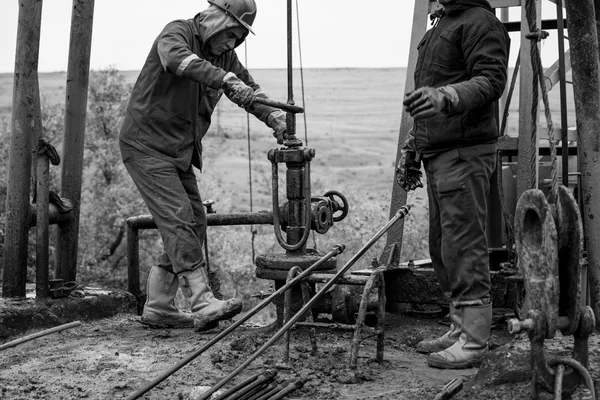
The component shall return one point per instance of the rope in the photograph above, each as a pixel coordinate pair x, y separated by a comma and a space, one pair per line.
535, 36
252, 230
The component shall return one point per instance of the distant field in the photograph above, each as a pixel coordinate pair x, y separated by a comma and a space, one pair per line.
352, 121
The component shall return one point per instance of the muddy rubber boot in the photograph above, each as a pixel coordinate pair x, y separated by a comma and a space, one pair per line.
447, 339
207, 310
472, 345
159, 309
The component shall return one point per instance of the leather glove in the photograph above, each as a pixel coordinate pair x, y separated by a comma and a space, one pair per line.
408, 170
277, 121
426, 102
237, 91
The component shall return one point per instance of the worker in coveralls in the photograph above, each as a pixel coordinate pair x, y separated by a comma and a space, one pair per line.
191, 64
460, 73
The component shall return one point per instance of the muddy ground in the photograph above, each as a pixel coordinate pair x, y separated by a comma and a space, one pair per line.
112, 358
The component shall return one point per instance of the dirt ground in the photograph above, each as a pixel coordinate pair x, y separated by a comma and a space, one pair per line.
112, 358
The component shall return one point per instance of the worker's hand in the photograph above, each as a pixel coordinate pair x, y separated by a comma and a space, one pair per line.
237, 91
425, 102
408, 170
277, 121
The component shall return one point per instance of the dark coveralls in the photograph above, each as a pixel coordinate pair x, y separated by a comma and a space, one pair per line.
168, 114
466, 50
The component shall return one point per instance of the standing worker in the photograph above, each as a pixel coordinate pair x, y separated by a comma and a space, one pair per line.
460, 73
191, 64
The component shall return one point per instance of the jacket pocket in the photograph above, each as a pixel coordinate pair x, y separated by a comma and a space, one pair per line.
447, 51
168, 132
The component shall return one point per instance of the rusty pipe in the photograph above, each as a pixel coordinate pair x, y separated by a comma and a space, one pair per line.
253, 218
278, 104
42, 290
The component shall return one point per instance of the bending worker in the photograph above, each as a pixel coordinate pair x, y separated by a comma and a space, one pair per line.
460, 73
191, 64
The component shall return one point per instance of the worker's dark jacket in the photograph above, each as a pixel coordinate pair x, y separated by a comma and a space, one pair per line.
178, 89
467, 49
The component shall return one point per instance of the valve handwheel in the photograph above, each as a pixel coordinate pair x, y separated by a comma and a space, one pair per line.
344, 209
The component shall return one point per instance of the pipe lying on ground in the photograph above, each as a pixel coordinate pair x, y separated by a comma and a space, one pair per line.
337, 249
39, 334
400, 214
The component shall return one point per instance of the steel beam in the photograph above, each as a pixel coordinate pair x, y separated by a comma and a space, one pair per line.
75, 113
393, 244
25, 126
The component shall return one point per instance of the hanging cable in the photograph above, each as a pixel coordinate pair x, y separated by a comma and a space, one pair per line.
301, 73
252, 230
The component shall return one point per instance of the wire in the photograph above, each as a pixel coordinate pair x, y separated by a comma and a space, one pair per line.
253, 232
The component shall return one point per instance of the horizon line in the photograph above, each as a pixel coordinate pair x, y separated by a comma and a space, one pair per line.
250, 69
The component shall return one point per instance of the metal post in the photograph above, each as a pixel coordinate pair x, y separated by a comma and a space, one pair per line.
586, 86
75, 112
26, 124
394, 236
42, 290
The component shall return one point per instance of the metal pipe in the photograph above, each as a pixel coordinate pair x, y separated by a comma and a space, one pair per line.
237, 387
54, 215
585, 57
42, 290
290, 117
401, 213
562, 70
133, 260
337, 249
26, 122
75, 112
277, 104
40, 334
288, 389
252, 218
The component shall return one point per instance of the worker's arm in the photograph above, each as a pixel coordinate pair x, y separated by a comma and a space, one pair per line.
177, 57
274, 118
486, 57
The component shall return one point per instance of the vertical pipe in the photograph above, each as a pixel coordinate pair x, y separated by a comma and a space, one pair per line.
133, 260
585, 61
25, 125
75, 112
562, 71
42, 290
419, 27
290, 117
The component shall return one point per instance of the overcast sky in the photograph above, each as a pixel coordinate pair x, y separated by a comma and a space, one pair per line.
334, 33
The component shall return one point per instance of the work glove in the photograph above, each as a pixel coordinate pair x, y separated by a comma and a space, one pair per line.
426, 102
237, 91
408, 170
277, 121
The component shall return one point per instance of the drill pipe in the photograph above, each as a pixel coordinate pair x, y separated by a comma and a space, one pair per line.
401, 213
273, 391
288, 389
337, 249
237, 387
263, 379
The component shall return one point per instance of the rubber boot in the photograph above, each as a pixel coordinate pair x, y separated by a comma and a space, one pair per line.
159, 309
472, 344
206, 309
447, 339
